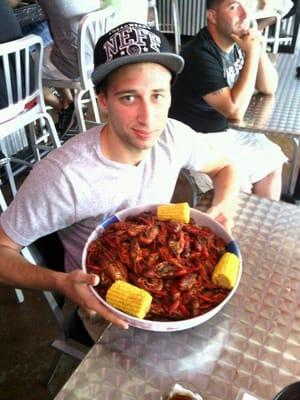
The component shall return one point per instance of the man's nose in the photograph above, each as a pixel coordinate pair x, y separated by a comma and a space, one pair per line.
145, 111
245, 11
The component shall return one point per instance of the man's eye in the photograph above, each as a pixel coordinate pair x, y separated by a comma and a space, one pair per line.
127, 99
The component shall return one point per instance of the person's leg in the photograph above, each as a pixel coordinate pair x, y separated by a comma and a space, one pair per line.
52, 100
270, 185
66, 97
260, 163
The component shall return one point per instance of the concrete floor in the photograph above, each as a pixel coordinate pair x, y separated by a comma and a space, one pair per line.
26, 332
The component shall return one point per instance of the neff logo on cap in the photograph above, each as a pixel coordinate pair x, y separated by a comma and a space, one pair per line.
131, 40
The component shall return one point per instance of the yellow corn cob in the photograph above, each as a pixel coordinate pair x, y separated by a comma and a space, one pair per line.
129, 298
179, 212
226, 271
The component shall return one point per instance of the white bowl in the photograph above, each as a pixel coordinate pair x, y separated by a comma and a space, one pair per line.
200, 218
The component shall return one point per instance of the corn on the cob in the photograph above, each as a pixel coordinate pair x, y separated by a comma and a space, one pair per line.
179, 212
129, 298
226, 271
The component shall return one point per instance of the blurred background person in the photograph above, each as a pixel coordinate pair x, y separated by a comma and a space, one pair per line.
60, 59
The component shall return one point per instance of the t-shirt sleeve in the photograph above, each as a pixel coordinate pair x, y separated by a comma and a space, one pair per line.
194, 150
43, 204
205, 71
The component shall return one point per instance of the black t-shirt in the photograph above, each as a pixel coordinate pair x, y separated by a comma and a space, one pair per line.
207, 69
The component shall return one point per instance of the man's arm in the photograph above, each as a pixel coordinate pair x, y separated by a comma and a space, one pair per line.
257, 72
15, 270
267, 78
224, 175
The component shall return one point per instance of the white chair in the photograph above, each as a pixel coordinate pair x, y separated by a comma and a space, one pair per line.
153, 14
20, 64
175, 26
273, 39
92, 26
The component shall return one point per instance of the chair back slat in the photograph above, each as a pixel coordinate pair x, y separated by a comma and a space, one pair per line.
8, 80
19, 76
21, 63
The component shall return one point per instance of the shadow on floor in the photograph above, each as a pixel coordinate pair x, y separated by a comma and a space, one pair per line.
26, 332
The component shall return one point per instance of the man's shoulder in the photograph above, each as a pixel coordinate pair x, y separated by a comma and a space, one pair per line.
202, 46
177, 130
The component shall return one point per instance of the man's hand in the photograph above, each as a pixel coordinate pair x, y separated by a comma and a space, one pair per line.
223, 213
249, 40
76, 286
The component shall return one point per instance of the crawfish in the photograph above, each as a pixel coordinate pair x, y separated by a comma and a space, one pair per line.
113, 267
166, 270
178, 310
149, 235
153, 285
158, 309
187, 281
177, 244
136, 254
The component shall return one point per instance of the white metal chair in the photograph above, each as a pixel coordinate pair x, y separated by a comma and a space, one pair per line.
20, 64
153, 14
273, 39
92, 26
175, 26
273, 35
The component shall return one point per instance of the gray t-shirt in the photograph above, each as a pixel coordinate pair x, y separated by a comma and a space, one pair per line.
64, 18
75, 187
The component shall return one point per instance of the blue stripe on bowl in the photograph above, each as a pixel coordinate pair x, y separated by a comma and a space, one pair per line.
109, 221
232, 247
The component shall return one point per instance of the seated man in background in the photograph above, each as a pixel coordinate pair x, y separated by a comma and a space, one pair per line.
133, 159
224, 64
60, 59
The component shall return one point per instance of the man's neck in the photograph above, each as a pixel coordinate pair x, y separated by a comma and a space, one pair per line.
113, 149
224, 43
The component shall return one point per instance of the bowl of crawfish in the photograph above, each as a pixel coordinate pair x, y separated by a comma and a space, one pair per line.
172, 261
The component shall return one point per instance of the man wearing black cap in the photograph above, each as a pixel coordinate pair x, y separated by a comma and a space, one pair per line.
134, 158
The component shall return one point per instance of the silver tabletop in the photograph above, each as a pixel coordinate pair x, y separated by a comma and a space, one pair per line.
253, 343
279, 114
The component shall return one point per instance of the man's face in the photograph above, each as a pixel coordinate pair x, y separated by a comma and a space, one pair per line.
232, 17
137, 101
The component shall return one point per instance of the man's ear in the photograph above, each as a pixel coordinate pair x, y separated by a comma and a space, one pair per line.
102, 101
211, 16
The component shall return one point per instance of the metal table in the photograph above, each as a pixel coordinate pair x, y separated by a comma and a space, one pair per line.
279, 114
253, 343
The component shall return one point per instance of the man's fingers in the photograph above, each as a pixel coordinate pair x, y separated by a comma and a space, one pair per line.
213, 212
107, 314
82, 277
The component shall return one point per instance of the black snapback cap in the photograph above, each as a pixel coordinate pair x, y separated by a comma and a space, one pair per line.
131, 43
